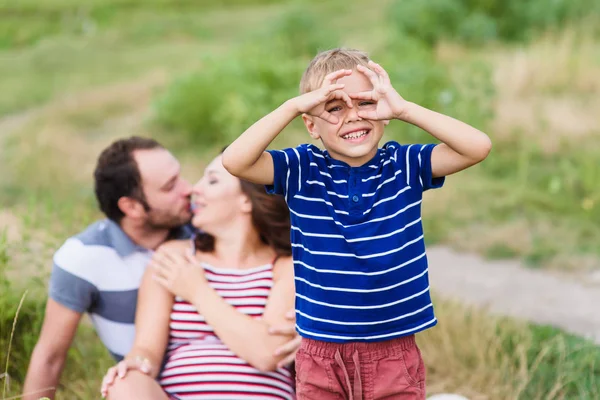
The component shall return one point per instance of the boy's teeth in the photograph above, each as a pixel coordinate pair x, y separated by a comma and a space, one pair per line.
355, 135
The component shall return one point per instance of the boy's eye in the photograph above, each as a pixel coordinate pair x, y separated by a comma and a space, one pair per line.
334, 109
212, 181
366, 103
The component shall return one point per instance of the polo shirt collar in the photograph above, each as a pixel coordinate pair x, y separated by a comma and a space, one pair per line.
119, 240
366, 167
124, 246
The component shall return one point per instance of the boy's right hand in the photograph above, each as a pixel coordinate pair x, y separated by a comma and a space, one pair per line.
313, 103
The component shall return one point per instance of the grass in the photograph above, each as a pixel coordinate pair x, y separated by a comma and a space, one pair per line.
195, 74
128, 38
482, 357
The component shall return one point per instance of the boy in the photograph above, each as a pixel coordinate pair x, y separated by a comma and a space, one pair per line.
362, 288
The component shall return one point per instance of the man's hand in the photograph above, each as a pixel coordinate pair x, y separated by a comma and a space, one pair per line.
313, 103
390, 105
291, 347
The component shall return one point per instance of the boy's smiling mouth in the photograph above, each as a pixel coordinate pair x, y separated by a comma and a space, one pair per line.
357, 135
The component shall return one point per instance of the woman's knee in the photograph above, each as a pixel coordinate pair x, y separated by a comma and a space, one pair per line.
135, 385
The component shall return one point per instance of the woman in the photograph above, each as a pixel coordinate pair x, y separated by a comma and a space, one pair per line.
211, 308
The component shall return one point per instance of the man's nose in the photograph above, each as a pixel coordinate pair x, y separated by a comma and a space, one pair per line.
187, 188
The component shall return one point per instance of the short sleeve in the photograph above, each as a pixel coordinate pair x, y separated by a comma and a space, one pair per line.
417, 160
288, 165
68, 289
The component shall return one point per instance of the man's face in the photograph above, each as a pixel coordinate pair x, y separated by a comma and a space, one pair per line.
167, 193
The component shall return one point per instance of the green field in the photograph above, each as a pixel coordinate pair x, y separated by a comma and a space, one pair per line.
195, 74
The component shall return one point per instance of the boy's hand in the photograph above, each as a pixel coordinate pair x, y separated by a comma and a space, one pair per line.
313, 103
390, 105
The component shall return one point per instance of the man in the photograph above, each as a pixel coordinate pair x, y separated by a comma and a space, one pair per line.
146, 202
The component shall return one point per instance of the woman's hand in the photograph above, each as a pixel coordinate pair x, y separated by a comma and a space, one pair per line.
179, 272
289, 348
141, 364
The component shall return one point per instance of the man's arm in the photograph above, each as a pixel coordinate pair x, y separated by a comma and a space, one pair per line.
50, 352
151, 323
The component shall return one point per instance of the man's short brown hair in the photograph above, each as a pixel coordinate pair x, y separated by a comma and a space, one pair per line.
117, 174
330, 61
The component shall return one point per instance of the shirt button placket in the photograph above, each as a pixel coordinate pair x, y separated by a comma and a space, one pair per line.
353, 192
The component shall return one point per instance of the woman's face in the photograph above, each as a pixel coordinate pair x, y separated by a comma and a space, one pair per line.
217, 198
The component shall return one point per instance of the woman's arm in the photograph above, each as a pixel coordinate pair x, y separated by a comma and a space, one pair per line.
151, 323
249, 337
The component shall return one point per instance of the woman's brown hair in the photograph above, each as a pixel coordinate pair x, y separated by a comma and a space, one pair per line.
270, 217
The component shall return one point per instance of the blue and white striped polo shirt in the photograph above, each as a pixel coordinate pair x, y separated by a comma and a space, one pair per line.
99, 272
357, 241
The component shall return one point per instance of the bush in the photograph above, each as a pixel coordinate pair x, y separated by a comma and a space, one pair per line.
479, 21
215, 105
429, 21
420, 78
299, 33
560, 184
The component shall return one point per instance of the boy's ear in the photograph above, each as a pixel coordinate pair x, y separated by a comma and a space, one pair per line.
309, 122
386, 122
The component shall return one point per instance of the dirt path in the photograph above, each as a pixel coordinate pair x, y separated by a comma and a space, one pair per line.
508, 288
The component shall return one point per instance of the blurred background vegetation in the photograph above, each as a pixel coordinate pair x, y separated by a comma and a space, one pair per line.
194, 74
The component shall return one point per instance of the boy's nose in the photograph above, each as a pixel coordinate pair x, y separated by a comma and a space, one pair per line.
352, 114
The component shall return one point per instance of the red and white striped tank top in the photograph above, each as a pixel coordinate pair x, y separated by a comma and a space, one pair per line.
200, 366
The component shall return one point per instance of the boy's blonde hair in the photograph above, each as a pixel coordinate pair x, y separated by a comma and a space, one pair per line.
327, 62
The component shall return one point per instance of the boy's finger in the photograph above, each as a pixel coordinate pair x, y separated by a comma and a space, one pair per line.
326, 116
334, 76
380, 71
372, 115
347, 99
369, 74
362, 95
341, 95
332, 88
291, 314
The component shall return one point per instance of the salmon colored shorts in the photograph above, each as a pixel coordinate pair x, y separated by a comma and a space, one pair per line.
391, 369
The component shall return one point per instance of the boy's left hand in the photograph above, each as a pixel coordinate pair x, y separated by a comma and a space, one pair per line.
390, 105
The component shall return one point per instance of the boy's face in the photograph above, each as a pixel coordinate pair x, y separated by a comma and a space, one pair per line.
352, 140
